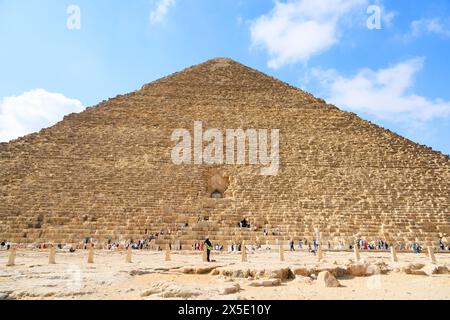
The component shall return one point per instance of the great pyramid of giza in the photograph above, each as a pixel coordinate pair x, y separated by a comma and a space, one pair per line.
107, 172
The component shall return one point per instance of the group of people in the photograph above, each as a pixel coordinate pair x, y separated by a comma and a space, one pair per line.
5, 245
416, 248
244, 224
275, 232
199, 246
303, 244
365, 245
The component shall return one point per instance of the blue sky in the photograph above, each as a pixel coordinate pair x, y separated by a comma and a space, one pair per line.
397, 76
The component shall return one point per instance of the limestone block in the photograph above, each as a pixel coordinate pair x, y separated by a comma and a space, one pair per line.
91, 255
281, 249
393, 255
357, 255
52, 255
12, 258
326, 279
128, 256
431, 255
167, 255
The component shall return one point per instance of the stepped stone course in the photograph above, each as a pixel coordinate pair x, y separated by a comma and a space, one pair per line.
107, 172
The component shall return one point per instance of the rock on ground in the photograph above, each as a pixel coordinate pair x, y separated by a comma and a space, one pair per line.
265, 283
325, 278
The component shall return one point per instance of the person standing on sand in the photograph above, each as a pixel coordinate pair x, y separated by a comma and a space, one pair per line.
208, 245
316, 246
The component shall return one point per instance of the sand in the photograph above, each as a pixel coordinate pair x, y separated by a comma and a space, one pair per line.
150, 277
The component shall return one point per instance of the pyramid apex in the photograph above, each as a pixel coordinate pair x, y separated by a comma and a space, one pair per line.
220, 60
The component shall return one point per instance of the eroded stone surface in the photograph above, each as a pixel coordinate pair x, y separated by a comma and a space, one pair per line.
326, 279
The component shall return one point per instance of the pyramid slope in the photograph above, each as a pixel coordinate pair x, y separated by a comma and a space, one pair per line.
107, 172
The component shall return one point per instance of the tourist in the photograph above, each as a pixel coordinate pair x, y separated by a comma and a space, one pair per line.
300, 244
291, 243
316, 246
244, 224
208, 245
416, 248
441, 245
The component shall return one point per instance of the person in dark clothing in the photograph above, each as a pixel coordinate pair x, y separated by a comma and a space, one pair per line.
208, 245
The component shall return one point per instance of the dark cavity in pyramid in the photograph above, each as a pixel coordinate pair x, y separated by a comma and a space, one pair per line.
107, 172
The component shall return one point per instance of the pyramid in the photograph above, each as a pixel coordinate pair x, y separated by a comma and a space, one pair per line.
107, 172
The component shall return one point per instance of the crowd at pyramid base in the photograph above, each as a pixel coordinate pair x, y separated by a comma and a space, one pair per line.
316, 249
313, 245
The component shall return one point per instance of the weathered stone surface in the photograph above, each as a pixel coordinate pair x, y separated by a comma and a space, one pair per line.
166, 289
171, 290
230, 289
187, 270
413, 268
431, 269
203, 270
5, 294
357, 269
326, 279
199, 270
373, 270
282, 274
304, 280
301, 271
134, 273
265, 283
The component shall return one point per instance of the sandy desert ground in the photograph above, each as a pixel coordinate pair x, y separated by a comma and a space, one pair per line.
186, 276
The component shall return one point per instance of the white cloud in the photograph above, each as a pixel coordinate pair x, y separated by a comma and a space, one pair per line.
427, 26
161, 9
387, 16
32, 111
296, 30
384, 93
